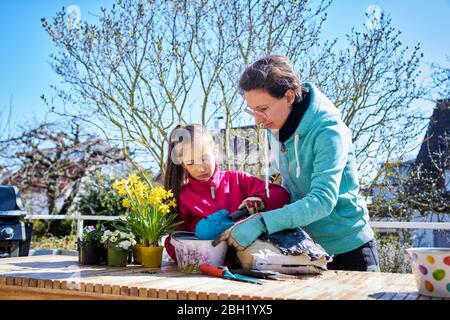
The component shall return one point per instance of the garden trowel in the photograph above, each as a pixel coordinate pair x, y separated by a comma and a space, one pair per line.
223, 272
210, 227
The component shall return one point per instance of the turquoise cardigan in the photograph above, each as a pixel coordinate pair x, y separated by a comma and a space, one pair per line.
318, 168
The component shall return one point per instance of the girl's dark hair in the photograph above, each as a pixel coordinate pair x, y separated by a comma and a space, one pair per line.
274, 74
175, 175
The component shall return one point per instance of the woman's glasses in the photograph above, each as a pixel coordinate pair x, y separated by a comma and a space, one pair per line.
254, 113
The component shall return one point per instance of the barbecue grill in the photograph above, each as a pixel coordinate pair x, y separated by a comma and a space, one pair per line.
15, 236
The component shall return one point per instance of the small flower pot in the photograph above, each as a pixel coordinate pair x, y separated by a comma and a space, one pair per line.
137, 254
103, 256
151, 256
117, 257
89, 255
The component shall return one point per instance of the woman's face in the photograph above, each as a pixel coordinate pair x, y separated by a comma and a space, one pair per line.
200, 162
269, 111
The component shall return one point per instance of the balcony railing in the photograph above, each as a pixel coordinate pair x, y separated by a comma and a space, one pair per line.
375, 224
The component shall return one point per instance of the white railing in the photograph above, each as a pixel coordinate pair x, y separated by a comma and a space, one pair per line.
80, 219
375, 224
410, 225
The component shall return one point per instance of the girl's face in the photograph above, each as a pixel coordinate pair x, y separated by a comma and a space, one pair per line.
200, 162
267, 110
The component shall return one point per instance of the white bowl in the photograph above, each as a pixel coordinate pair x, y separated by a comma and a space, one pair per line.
191, 252
431, 266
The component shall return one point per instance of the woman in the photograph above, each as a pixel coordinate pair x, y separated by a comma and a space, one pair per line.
317, 166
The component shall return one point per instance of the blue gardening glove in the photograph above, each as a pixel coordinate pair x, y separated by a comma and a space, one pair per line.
213, 225
244, 233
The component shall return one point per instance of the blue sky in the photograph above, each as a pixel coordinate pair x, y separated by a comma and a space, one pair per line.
25, 47
24, 55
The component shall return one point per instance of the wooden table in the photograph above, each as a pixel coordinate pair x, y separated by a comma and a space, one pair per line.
61, 277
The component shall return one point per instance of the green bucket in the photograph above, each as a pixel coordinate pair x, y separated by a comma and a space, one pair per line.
117, 257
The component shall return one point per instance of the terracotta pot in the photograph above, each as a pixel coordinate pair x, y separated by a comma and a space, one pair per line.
151, 256
117, 257
89, 255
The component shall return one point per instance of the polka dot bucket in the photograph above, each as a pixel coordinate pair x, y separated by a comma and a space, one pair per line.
431, 267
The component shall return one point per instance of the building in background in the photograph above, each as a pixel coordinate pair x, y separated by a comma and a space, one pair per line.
424, 180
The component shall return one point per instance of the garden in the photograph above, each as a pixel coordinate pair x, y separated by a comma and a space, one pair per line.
163, 117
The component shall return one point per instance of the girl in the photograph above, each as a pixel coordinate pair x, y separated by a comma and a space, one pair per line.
317, 166
201, 188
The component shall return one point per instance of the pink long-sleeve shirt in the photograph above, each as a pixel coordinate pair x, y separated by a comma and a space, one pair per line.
224, 190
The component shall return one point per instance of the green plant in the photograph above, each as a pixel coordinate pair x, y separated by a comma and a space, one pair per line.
118, 239
91, 236
149, 217
39, 228
99, 198
66, 227
51, 242
391, 253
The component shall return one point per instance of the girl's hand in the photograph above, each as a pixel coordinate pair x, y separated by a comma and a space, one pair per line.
253, 205
244, 232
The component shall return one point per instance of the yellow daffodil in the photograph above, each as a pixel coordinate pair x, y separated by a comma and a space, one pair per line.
172, 203
149, 213
164, 208
126, 203
133, 179
118, 185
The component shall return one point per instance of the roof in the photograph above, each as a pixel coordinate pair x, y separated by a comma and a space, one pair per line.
438, 127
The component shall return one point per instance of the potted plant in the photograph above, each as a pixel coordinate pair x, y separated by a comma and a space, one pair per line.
118, 244
90, 245
149, 217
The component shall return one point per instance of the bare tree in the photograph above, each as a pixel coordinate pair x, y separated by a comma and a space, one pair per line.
374, 83
441, 80
148, 65
421, 184
428, 189
53, 160
5, 125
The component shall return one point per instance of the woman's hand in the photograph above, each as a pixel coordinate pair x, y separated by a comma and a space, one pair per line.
244, 233
253, 204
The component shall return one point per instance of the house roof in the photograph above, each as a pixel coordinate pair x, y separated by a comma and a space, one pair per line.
439, 125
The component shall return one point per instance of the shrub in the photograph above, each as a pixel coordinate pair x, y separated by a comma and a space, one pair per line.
98, 198
39, 228
392, 254
50, 242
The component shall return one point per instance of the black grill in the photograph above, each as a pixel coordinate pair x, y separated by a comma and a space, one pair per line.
15, 236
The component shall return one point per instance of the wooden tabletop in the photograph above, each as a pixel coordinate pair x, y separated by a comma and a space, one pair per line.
61, 277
